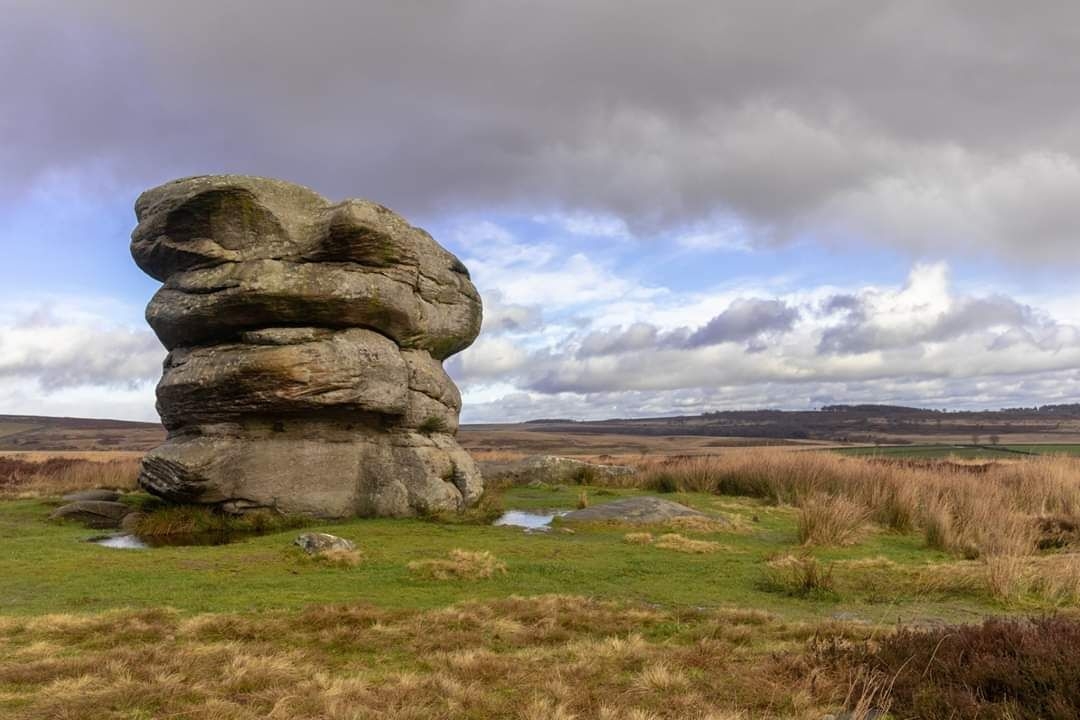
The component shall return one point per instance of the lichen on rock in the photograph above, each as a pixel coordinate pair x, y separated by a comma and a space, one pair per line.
306, 344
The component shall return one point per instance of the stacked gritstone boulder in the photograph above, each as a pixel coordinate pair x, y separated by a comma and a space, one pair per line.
306, 340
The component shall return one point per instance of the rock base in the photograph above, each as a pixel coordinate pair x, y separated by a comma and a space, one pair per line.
372, 473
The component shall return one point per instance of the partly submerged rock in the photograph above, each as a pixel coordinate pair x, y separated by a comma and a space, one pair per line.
316, 543
306, 344
97, 514
645, 510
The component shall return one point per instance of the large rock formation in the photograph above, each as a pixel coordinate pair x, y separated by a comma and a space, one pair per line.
306, 341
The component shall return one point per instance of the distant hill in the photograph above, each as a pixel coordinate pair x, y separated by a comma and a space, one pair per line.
29, 432
864, 424
857, 424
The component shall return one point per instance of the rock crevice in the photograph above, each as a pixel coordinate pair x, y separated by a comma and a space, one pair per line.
306, 340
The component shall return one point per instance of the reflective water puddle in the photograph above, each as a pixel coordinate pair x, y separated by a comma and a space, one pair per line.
530, 521
129, 541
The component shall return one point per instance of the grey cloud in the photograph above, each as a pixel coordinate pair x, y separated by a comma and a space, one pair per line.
975, 314
861, 332
638, 336
501, 317
842, 303
58, 357
801, 120
117, 358
746, 320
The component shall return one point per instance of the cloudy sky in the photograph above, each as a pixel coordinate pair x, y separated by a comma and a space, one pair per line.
669, 207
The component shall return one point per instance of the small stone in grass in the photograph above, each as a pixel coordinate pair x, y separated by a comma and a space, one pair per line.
317, 543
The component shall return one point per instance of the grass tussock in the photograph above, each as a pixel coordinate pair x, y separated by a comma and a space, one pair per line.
166, 520
541, 657
486, 511
799, 576
21, 478
680, 543
831, 520
638, 538
461, 565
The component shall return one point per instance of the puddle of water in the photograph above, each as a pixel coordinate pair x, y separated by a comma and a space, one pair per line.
532, 522
120, 542
129, 541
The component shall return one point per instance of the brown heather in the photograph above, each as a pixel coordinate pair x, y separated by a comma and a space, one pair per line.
1003, 669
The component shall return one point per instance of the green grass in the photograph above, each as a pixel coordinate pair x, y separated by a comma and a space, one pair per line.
48, 568
967, 452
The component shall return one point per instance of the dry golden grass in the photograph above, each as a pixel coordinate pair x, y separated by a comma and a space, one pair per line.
969, 509
543, 657
1057, 578
799, 575
679, 543
461, 565
1010, 578
23, 478
831, 520
698, 524
38, 456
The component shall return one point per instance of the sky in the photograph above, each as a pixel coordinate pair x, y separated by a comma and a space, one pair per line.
668, 207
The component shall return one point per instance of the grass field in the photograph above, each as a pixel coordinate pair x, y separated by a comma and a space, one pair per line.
752, 619
225, 601
50, 569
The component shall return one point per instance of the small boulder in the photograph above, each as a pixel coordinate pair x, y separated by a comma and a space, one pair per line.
635, 511
94, 494
317, 543
97, 514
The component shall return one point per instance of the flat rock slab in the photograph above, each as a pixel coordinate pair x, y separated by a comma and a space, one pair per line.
97, 514
637, 511
95, 494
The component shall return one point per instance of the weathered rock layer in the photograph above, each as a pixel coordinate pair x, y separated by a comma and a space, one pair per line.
306, 341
